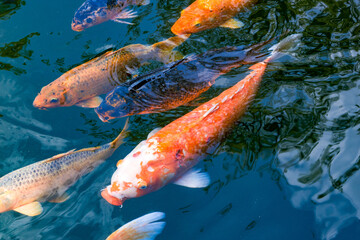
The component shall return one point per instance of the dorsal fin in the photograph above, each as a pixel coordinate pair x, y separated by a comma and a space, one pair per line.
58, 156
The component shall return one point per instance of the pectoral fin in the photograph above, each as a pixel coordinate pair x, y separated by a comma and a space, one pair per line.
124, 14
194, 179
142, 2
232, 23
59, 198
90, 103
31, 209
164, 49
153, 132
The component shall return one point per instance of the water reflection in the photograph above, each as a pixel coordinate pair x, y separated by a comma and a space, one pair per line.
9, 7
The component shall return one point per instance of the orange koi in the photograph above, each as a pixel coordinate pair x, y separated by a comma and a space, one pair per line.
83, 84
207, 14
144, 227
169, 154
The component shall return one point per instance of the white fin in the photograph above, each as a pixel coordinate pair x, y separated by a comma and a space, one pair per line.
59, 199
232, 23
212, 109
30, 209
90, 103
153, 132
194, 179
124, 14
134, 72
142, 2
144, 228
287, 45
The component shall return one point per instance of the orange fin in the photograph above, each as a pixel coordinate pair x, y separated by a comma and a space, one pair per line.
232, 23
58, 156
30, 209
90, 103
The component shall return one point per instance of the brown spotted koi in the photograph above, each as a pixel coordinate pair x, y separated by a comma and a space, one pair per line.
207, 14
83, 84
174, 84
144, 228
48, 180
169, 154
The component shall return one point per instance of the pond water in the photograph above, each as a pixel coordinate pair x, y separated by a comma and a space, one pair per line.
288, 170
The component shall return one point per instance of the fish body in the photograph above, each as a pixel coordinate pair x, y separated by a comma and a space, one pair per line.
174, 84
145, 228
169, 154
82, 84
47, 180
93, 12
207, 14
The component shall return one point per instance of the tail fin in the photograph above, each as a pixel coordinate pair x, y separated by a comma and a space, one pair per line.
144, 228
119, 139
164, 49
288, 44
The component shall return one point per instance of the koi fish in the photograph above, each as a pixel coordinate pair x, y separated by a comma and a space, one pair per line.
207, 14
48, 180
169, 154
174, 84
93, 12
83, 84
145, 228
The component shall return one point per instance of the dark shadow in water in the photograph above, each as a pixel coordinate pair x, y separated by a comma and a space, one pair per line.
15, 50
18, 48
9, 7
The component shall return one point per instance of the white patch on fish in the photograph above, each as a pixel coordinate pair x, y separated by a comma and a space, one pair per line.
212, 109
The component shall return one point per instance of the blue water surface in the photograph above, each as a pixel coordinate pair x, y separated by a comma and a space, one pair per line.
288, 170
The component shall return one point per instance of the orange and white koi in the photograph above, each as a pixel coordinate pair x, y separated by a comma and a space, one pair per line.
93, 12
207, 14
144, 228
48, 180
83, 84
169, 154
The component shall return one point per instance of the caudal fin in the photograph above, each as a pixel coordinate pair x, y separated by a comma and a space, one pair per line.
285, 46
120, 138
164, 49
142, 228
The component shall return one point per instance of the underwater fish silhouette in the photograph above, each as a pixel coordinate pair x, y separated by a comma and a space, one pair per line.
174, 84
169, 154
207, 14
48, 180
83, 84
93, 12
144, 228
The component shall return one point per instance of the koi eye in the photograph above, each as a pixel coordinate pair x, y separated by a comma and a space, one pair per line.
142, 184
54, 100
197, 25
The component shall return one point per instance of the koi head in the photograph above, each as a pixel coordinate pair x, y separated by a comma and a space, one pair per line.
138, 174
51, 96
92, 12
115, 105
193, 20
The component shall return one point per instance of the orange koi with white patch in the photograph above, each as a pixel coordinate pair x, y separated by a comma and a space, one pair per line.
169, 154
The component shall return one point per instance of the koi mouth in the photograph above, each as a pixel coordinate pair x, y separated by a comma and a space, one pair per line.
111, 199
